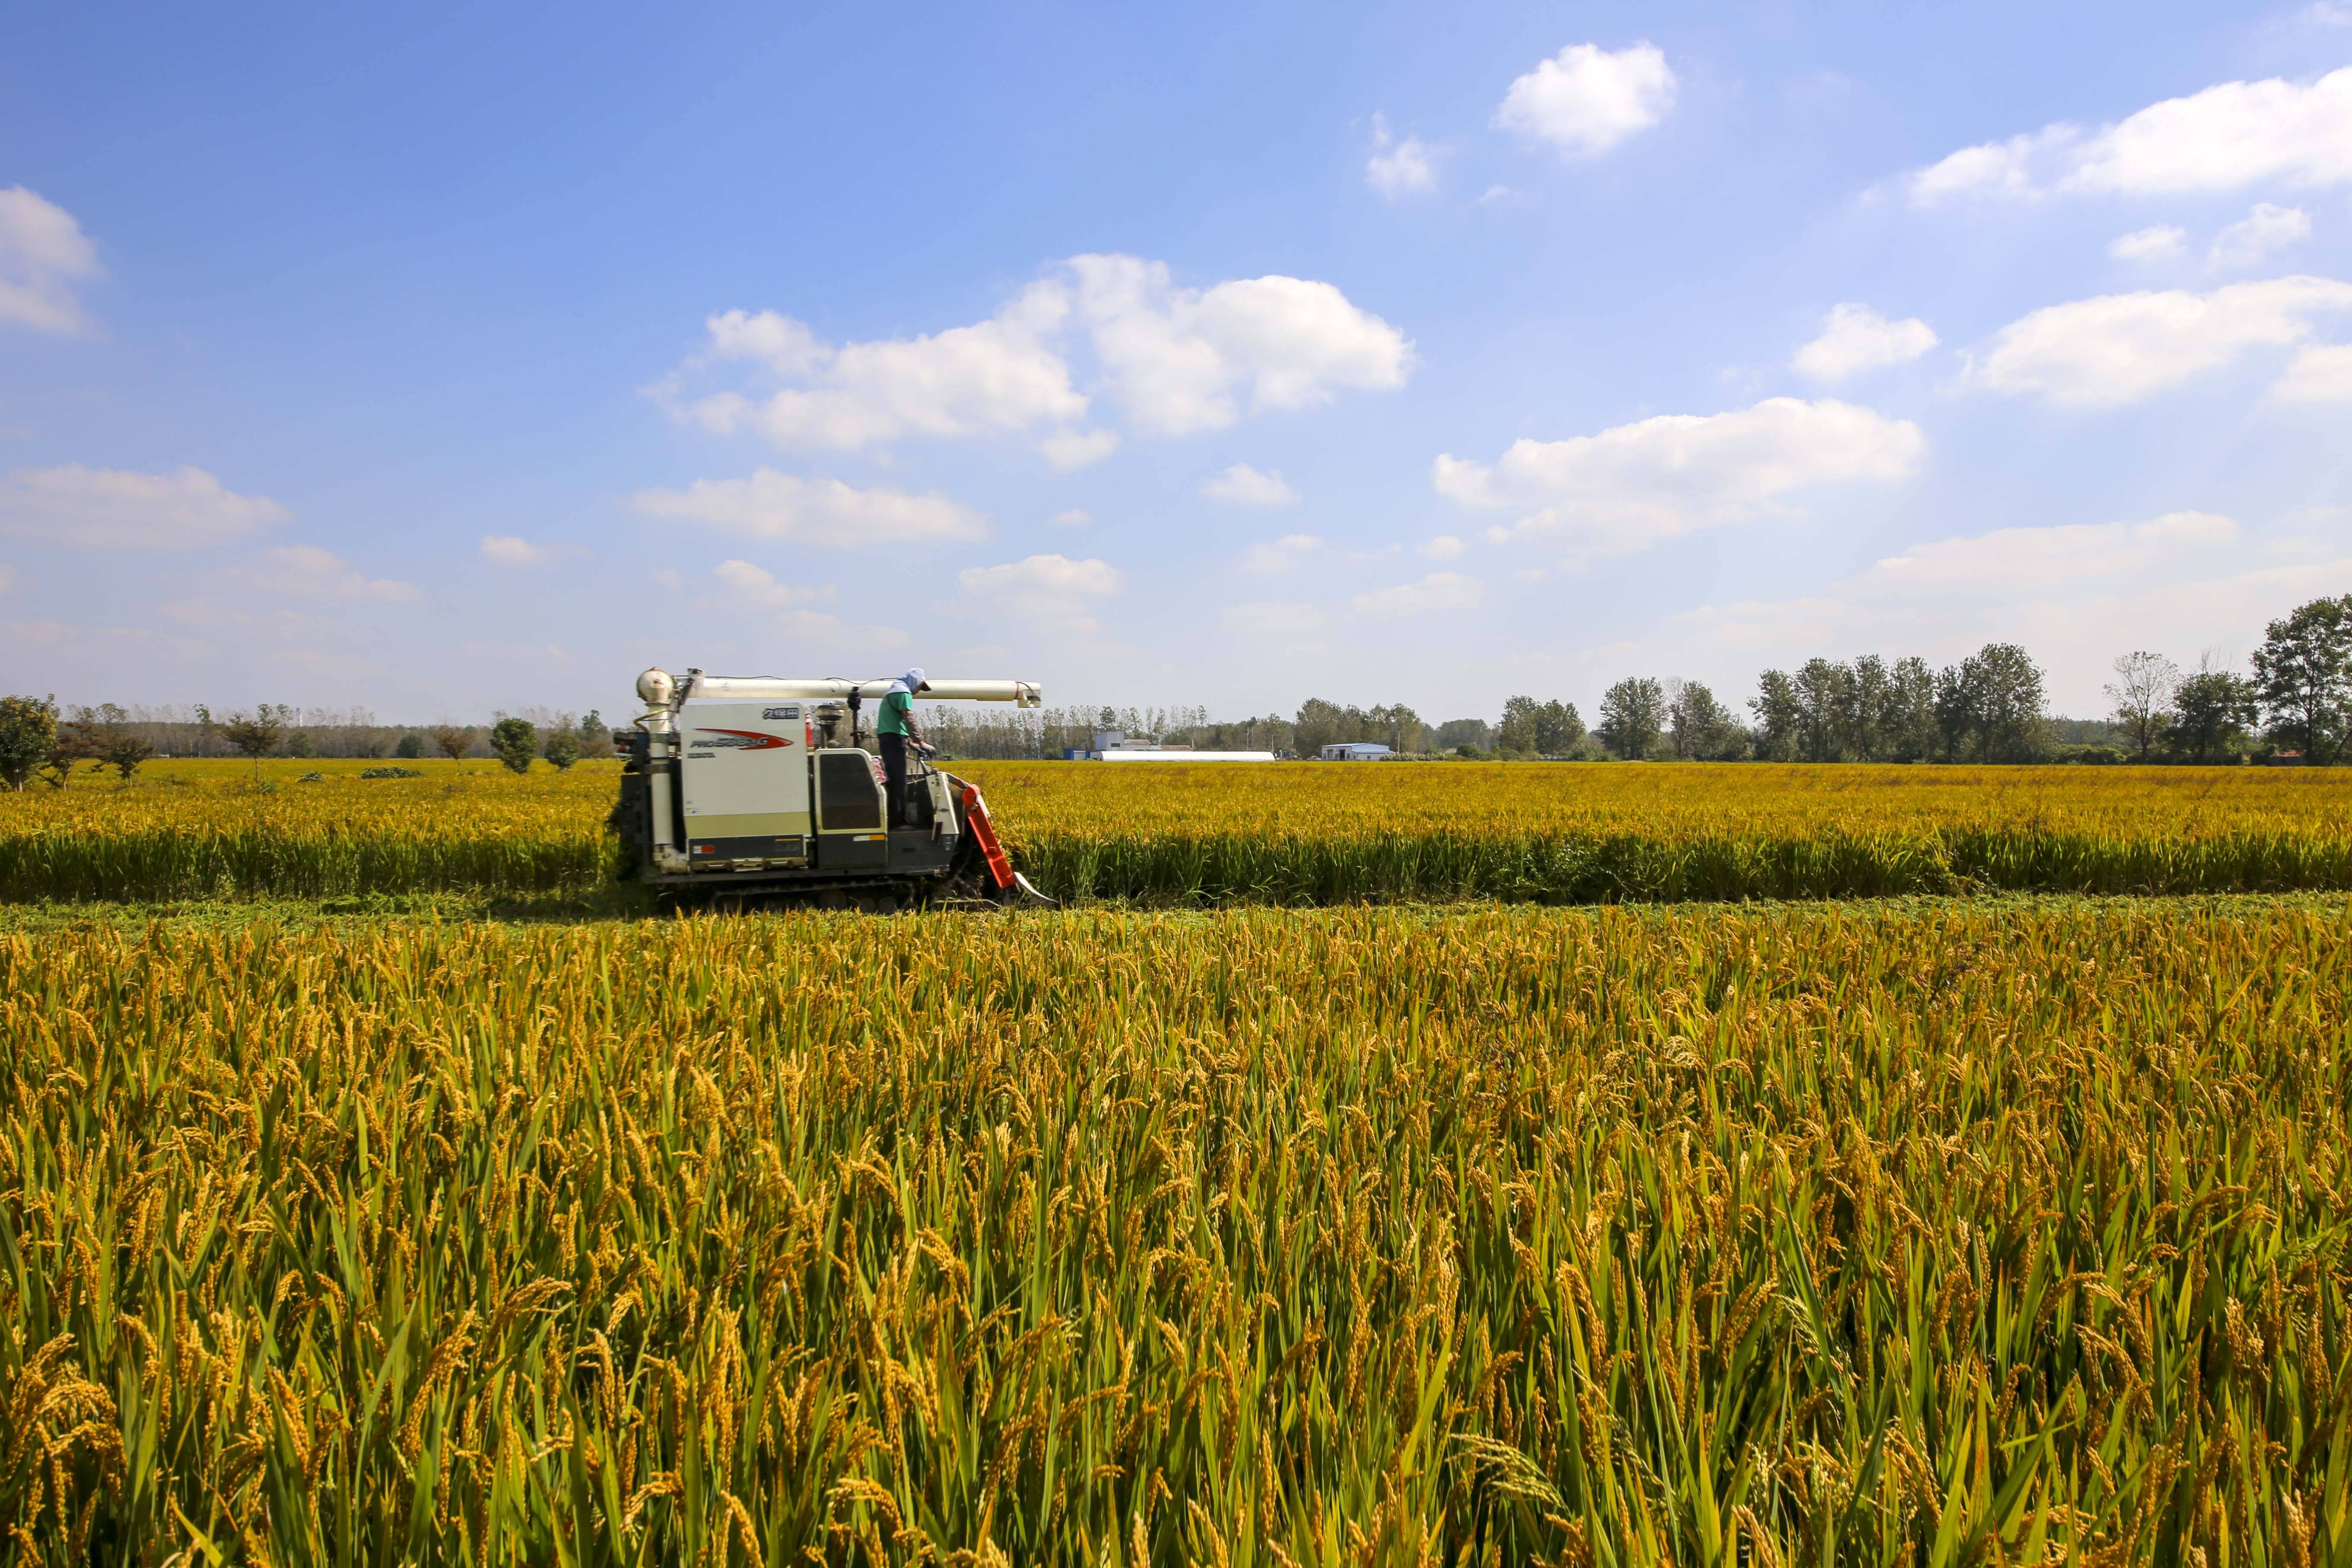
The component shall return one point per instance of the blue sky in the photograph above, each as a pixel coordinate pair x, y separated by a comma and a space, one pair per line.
444, 361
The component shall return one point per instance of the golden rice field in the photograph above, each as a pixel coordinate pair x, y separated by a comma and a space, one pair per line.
1289, 833
1916, 1232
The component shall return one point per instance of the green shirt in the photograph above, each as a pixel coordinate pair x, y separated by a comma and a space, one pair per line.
896, 708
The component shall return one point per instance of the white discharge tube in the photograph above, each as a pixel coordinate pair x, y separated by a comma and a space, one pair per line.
784, 688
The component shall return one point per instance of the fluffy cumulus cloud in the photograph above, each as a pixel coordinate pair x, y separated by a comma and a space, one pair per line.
1445, 547
2318, 375
114, 509
996, 376
2121, 348
1183, 359
1095, 329
1071, 517
1242, 485
2226, 138
1438, 591
1855, 338
1049, 590
770, 505
2030, 558
309, 572
1290, 551
1585, 100
2153, 243
1398, 168
43, 254
2259, 236
1635, 485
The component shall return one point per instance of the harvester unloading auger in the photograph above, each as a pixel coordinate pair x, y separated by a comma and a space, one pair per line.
762, 787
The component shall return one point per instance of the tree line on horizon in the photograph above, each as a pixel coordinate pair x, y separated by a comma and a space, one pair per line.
41, 742
2294, 704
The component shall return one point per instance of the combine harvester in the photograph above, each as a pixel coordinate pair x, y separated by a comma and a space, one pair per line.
741, 787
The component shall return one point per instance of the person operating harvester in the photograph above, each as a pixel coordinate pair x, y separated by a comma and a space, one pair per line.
894, 726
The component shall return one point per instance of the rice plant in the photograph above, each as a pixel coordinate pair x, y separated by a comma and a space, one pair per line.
1301, 835
1917, 1233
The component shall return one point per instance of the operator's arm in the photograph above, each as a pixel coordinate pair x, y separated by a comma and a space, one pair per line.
915, 726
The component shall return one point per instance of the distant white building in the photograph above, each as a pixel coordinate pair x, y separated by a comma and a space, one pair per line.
1355, 751
1111, 746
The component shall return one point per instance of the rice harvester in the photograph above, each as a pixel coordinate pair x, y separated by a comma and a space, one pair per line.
761, 784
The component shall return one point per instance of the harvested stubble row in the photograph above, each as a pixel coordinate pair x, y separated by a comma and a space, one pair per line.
1302, 835
1935, 1234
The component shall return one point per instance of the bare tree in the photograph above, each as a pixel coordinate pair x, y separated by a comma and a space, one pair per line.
451, 741
2142, 692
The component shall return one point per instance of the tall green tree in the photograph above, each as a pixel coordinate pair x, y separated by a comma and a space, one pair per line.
1824, 704
1633, 717
561, 745
1518, 734
1907, 715
514, 741
28, 732
2011, 709
1780, 717
1319, 724
2304, 674
2212, 711
1700, 727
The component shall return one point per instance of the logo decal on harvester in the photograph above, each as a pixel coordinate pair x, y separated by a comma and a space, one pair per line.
739, 740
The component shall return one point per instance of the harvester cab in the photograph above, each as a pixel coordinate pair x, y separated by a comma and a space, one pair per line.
743, 784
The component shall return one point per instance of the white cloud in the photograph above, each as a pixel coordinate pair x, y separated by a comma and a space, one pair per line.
1585, 100
1242, 485
1175, 360
1074, 517
2119, 348
2260, 234
1049, 590
1266, 615
2319, 375
1438, 591
757, 585
2149, 244
1398, 168
2027, 559
43, 253
1445, 547
2227, 137
999, 376
1282, 554
1070, 449
307, 572
750, 584
105, 508
1632, 484
505, 550
670, 577
1180, 360
1855, 338
770, 505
